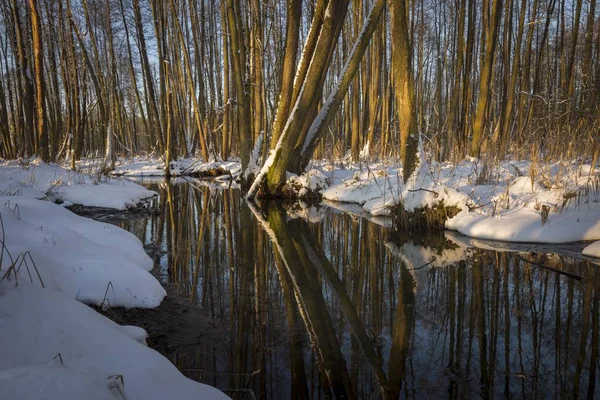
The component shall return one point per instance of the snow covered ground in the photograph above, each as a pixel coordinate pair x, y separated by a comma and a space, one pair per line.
54, 347
51, 262
515, 201
39, 180
518, 201
593, 250
86, 260
141, 166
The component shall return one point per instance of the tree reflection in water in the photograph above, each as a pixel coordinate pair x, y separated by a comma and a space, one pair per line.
318, 303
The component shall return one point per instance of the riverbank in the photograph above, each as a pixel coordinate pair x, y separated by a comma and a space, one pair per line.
53, 265
511, 201
519, 201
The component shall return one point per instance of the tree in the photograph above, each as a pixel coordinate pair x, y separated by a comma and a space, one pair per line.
514, 74
292, 35
236, 41
38, 55
404, 86
293, 142
491, 39
307, 89
26, 112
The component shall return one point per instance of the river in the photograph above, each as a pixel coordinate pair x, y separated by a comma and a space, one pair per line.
314, 302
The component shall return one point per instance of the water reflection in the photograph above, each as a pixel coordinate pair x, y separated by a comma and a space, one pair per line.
318, 303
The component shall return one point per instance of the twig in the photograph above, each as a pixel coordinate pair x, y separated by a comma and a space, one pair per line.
425, 190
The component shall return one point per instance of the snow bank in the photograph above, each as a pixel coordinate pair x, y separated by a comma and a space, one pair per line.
82, 258
54, 346
361, 183
141, 166
37, 325
556, 203
57, 382
39, 180
525, 225
516, 201
593, 250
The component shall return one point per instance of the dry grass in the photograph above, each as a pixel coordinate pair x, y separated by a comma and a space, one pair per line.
23, 259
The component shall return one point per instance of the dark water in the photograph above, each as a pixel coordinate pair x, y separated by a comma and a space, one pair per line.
317, 303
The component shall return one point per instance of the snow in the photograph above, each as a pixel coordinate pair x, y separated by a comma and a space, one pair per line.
39, 324
81, 258
422, 190
57, 382
593, 250
505, 201
39, 180
253, 165
525, 225
52, 262
147, 166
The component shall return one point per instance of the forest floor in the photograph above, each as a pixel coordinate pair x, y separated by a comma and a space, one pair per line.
53, 264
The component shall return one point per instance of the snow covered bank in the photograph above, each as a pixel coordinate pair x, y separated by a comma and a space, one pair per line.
53, 345
81, 258
40, 180
520, 201
151, 166
593, 250
525, 225
57, 348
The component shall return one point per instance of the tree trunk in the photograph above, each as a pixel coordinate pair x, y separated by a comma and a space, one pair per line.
404, 86
335, 99
278, 161
27, 98
292, 34
512, 86
491, 39
239, 67
38, 55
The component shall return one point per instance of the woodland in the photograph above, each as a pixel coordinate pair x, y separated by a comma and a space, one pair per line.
442, 156
300, 79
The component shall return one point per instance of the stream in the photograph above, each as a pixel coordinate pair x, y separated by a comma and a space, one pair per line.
291, 301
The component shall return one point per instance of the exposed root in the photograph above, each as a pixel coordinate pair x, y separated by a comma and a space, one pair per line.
294, 191
424, 218
211, 173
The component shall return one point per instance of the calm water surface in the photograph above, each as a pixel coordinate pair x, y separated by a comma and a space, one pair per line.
320, 303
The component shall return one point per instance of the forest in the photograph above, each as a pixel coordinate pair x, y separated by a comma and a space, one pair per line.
180, 78
349, 199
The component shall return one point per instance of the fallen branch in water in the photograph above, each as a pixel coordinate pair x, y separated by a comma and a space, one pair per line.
570, 275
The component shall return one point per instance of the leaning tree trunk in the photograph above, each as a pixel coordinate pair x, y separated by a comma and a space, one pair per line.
271, 178
329, 109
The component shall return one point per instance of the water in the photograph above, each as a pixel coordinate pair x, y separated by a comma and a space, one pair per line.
321, 303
